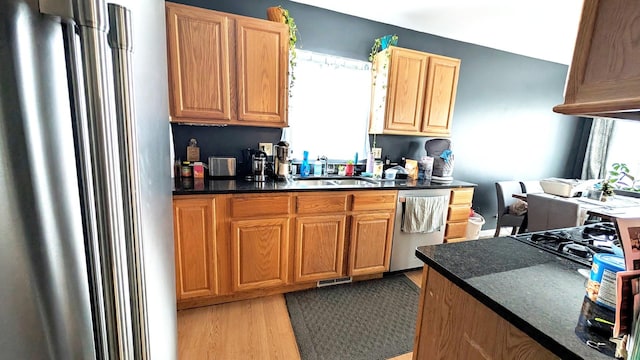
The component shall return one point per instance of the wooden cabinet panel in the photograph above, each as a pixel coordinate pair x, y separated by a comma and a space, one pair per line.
259, 205
259, 254
370, 243
458, 213
374, 200
453, 325
405, 95
461, 196
195, 247
442, 83
198, 44
604, 78
321, 203
456, 230
319, 247
262, 56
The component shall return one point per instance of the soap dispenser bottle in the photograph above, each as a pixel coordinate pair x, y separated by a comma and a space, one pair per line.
317, 167
305, 168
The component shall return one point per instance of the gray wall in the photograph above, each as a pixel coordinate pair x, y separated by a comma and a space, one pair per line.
503, 125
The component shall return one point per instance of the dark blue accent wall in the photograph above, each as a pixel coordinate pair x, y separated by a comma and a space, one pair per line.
503, 125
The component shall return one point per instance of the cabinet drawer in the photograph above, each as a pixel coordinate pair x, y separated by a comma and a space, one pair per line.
458, 212
461, 196
456, 230
247, 206
321, 203
374, 200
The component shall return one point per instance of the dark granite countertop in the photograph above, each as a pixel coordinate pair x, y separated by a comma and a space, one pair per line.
208, 186
536, 291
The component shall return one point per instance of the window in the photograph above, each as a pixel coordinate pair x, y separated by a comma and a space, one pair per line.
624, 146
329, 107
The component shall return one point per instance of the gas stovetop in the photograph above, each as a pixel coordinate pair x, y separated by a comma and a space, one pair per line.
578, 243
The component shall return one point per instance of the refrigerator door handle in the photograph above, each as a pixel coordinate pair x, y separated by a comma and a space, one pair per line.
91, 19
85, 181
120, 41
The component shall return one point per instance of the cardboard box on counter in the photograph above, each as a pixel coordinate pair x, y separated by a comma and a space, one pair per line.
412, 169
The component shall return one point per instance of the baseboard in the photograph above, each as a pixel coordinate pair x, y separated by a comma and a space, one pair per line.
489, 233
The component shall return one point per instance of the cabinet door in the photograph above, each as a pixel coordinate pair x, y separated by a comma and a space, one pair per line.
259, 253
319, 247
405, 94
442, 82
195, 247
198, 47
370, 247
262, 54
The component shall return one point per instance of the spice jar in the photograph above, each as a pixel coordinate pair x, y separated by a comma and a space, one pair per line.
186, 170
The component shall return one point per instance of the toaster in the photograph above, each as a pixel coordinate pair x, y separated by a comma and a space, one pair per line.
222, 166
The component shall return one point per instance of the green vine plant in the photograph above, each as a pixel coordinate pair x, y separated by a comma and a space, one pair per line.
293, 39
376, 48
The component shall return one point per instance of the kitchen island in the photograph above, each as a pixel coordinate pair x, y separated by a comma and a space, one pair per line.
499, 298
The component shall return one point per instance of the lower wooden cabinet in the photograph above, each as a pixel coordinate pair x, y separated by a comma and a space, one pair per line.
237, 246
194, 222
259, 253
319, 247
458, 214
370, 245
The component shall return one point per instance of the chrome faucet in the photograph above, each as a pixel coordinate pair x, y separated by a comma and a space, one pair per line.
326, 165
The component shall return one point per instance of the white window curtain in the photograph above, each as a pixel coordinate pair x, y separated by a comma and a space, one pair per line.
329, 107
594, 166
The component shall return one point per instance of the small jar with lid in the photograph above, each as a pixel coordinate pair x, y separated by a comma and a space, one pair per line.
186, 171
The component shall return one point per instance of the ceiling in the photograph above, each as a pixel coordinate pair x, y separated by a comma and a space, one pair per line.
542, 29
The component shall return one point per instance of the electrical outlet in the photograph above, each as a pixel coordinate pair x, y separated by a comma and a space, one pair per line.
377, 153
267, 148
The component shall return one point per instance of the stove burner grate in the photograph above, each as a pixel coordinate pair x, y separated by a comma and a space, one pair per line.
578, 244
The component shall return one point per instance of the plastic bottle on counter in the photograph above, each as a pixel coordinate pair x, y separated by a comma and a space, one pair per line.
317, 167
305, 168
370, 160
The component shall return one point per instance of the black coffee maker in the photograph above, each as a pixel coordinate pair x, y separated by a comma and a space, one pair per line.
248, 166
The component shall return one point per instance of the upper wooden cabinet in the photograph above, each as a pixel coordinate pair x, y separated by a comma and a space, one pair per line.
226, 69
413, 93
604, 76
262, 65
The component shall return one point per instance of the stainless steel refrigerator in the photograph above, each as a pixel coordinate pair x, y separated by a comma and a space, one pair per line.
86, 242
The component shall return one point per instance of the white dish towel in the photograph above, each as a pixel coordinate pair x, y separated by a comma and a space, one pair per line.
424, 214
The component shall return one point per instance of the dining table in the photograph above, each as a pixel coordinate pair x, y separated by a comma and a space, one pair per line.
616, 206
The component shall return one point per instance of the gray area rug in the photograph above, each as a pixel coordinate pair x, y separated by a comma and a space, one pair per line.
367, 320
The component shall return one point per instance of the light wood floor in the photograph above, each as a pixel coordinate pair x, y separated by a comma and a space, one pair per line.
250, 329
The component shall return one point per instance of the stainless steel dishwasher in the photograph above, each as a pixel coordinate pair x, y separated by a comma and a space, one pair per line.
404, 244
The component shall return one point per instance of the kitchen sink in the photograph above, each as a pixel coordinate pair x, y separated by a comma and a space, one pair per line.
328, 181
359, 182
314, 182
